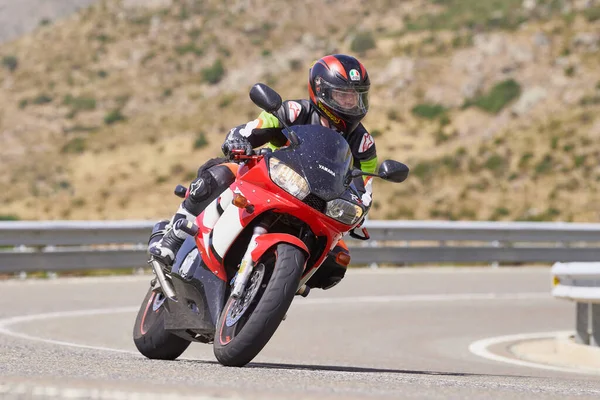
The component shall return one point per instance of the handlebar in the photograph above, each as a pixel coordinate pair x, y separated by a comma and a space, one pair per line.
257, 155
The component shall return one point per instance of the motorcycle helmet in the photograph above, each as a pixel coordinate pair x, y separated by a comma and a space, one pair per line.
338, 86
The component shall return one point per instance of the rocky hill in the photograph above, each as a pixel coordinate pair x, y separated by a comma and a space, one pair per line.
493, 104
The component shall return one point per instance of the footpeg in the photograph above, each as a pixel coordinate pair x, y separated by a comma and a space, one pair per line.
303, 291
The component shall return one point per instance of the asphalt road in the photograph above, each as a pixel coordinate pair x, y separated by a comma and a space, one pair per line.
393, 334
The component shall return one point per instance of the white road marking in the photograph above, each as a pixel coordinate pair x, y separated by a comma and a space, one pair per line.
480, 348
5, 323
45, 391
425, 297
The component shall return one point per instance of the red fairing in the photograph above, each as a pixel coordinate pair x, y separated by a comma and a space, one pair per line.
208, 258
254, 183
257, 186
268, 240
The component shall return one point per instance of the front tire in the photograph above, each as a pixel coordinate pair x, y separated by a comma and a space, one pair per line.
149, 334
241, 335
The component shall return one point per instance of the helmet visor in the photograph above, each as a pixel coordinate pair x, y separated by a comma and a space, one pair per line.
348, 100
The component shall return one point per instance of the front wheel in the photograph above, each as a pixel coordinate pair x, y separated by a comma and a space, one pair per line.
247, 324
149, 334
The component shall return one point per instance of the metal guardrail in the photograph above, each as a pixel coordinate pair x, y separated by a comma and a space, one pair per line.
580, 282
68, 245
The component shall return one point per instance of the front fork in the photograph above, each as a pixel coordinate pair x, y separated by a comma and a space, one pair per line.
246, 265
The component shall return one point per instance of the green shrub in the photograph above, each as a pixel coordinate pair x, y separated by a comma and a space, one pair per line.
500, 95
113, 117
189, 48
214, 73
441, 137
296, 65
592, 14
499, 212
579, 160
195, 33
201, 141
424, 170
76, 145
428, 111
472, 14
23, 103
42, 99
570, 71
496, 163
8, 217
10, 62
80, 103
393, 115
226, 101
525, 159
362, 42
78, 202
545, 165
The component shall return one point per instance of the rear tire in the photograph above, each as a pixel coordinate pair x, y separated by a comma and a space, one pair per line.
265, 313
149, 333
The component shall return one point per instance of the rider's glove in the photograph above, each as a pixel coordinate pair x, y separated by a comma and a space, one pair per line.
240, 143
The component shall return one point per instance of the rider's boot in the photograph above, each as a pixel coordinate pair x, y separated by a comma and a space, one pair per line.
167, 237
212, 180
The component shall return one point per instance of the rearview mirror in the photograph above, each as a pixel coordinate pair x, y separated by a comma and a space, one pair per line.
393, 171
265, 97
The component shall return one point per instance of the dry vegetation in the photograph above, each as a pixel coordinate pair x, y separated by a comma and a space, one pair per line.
494, 105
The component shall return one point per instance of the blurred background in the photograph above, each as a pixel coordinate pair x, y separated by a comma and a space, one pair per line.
106, 105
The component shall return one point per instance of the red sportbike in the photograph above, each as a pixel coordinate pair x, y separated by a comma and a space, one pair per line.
255, 247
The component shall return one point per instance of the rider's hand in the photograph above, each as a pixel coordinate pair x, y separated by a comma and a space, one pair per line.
236, 144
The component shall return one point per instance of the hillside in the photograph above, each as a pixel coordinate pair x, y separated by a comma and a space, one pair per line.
494, 105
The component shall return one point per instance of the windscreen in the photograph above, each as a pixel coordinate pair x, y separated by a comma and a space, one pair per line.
323, 157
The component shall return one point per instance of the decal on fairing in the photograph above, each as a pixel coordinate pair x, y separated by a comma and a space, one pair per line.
212, 213
227, 228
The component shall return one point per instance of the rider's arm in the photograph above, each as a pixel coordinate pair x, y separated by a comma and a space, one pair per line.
258, 132
365, 156
267, 128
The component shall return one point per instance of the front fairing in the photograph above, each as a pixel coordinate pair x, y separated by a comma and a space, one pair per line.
323, 158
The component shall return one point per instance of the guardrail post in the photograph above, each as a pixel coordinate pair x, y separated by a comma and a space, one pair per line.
582, 324
595, 321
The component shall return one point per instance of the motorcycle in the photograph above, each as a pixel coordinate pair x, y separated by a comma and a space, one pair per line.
256, 246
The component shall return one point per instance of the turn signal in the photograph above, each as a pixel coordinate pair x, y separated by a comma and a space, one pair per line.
555, 280
239, 201
342, 259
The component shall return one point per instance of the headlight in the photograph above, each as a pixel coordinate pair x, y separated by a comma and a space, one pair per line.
344, 211
288, 179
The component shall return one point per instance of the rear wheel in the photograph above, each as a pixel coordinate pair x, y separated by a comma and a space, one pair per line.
149, 334
247, 324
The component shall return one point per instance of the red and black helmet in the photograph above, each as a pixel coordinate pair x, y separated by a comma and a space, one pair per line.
339, 89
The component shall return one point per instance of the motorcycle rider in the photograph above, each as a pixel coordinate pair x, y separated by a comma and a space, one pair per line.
338, 87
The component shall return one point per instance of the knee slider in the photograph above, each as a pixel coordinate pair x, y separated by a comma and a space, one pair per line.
222, 176
207, 187
201, 187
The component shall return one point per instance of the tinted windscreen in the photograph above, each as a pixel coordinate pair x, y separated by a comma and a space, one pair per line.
323, 157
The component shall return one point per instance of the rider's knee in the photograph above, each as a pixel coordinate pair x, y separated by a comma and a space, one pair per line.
207, 186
